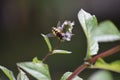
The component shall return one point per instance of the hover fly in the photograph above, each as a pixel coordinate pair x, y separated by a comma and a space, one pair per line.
56, 32
62, 32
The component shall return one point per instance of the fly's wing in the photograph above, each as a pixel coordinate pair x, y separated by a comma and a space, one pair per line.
50, 35
58, 24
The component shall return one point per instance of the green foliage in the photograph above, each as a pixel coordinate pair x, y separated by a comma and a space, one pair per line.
94, 32
47, 41
61, 52
35, 60
101, 75
101, 64
104, 32
22, 75
8, 73
88, 23
38, 70
67, 74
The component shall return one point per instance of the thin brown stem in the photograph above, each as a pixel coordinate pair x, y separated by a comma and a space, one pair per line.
105, 54
92, 60
50, 52
77, 71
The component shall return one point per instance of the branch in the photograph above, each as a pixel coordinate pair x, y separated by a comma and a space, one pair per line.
105, 54
77, 71
92, 60
50, 52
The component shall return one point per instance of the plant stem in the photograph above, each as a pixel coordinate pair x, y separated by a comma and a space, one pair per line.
50, 52
77, 71
105, 54
46, 56
92, 60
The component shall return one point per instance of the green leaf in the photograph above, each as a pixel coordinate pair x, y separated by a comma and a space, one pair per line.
38, 70
61, 52
47, 41
8, 73
106, 31
22, 75
35, 60
67, 74
101, 64
88, 23
101, 75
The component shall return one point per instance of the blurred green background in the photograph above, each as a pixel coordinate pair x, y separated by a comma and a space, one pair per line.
22, 22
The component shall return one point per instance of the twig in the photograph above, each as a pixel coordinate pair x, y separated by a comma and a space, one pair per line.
105, 54
77, 71
50, 52
92, 60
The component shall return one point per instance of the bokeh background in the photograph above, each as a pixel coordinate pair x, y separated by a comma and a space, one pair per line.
22, 22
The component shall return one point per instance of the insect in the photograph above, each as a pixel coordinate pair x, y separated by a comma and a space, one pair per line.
62, 32
58, 33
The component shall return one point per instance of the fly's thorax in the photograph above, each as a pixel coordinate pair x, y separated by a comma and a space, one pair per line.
57, 33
